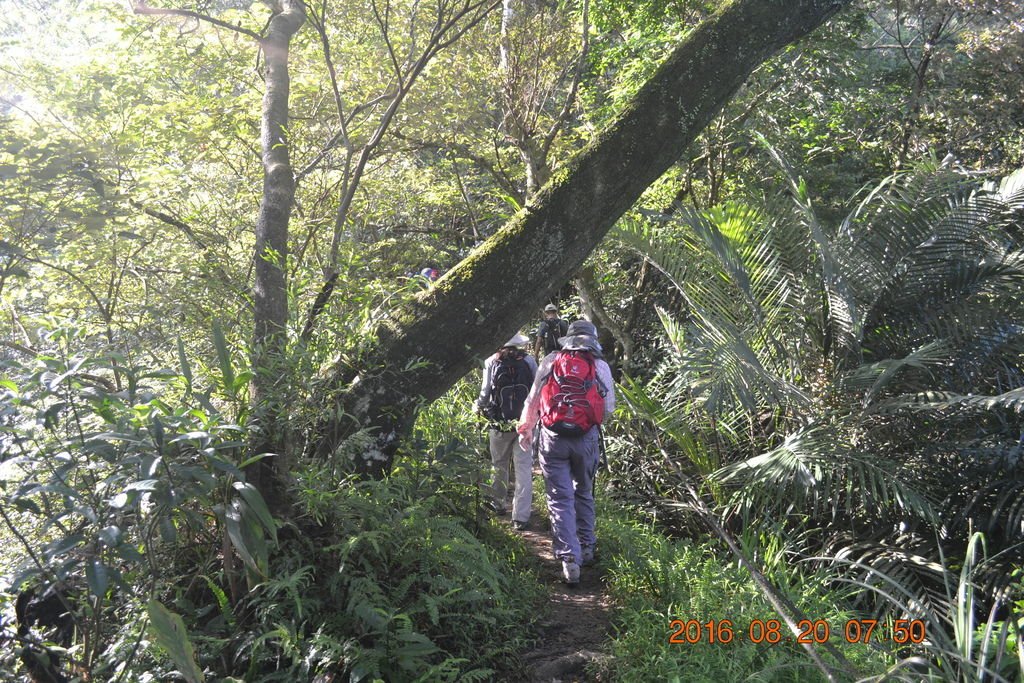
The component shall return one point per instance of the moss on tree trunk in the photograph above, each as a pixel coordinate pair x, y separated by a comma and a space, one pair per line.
424, 348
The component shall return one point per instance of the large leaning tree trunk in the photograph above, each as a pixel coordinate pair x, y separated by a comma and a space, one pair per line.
425, 347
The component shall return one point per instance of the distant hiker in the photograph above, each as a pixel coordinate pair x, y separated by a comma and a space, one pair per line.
508, 376
571, 395
551, 329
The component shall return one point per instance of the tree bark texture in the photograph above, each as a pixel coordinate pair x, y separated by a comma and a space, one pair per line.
424, 348
587, 287
270, 293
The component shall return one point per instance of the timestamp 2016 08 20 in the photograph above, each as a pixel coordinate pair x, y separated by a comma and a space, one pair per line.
810, 631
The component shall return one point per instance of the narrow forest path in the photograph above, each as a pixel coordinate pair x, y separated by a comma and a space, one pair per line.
578, 623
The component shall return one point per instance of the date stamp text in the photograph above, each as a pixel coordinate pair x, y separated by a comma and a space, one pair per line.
810, 631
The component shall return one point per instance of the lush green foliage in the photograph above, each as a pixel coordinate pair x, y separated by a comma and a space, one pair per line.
133, 506
655, 580
851, 376
827, 378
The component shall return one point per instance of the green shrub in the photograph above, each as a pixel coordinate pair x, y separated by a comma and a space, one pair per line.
133, 500
408, 592
654, 580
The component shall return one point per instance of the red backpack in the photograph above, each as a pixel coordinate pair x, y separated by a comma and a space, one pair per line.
570, 400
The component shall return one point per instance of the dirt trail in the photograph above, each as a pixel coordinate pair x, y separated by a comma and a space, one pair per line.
578, 623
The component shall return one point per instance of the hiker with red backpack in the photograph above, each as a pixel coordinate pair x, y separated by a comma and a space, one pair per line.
571, 395
508, 376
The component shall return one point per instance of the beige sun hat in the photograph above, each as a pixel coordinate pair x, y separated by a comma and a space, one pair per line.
519, 339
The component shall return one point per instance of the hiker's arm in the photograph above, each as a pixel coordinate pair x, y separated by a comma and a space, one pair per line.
538, 340
485, 386
531, 408
604, 377
531, 363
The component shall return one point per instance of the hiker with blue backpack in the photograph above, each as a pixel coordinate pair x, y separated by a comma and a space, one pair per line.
508, 376
571, 395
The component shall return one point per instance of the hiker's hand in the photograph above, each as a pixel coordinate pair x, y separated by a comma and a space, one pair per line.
525, 436
526, 443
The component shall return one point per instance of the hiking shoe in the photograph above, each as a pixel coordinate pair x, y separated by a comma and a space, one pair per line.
571, 572
588, 555
497, 508
520, 526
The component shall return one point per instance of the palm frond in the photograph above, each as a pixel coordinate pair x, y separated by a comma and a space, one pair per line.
896, 575
673, 424
873, 378
843, 317
646, 238
724, 249
997, 509
813, 473
1009, 189
961, 648
729, 368
943, 400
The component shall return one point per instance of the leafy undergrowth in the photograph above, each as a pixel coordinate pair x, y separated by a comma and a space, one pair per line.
654, 581
137, 550
395, 585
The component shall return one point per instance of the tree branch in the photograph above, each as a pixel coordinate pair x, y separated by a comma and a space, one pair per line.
586, 287
439, 39
169, 220
321, 300
570, 97
140, 7
385, 31
463, 150
87, 376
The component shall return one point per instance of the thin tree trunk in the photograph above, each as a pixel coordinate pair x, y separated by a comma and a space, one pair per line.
639, 293
270, 293
912, 114
427, 346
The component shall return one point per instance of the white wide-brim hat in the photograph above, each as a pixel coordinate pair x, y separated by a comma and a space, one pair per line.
519, 339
